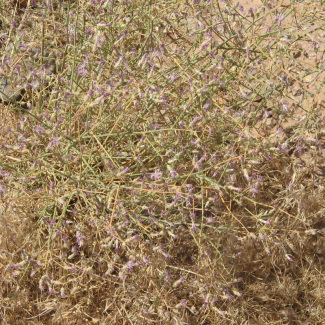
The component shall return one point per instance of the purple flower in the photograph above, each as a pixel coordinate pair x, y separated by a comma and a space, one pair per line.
178, 282
54, 142
280, 18
39, 129
207, 105
2, 190
183, 303
156, 175
194, 228
62, 294
173, 173
126, 170
82, 71
34, 84
289, 258
122, 276
130, 264
80, 238
172, 77
67, 94
166, 255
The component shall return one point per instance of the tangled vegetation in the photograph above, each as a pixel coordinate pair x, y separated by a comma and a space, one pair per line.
171, 170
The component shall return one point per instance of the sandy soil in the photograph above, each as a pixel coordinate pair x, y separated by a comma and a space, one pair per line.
255, 4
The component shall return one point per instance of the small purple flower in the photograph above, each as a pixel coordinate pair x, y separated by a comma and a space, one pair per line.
158, 248
172, 77
39, 129
289, 258
34, 84
146, 260
130, 264
67, 94
211, 220
183, 303
173, 236
173, 173
178, 282
62, 294
122, 276
265, 221
82, 68
80, 239
280, 18
207, 105
126, 170
156, 175
54, 142
2, 190
194, 228
166, 255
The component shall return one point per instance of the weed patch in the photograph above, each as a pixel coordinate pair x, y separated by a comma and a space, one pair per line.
169, 170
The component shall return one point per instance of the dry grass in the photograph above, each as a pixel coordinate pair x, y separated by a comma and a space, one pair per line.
171, 172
